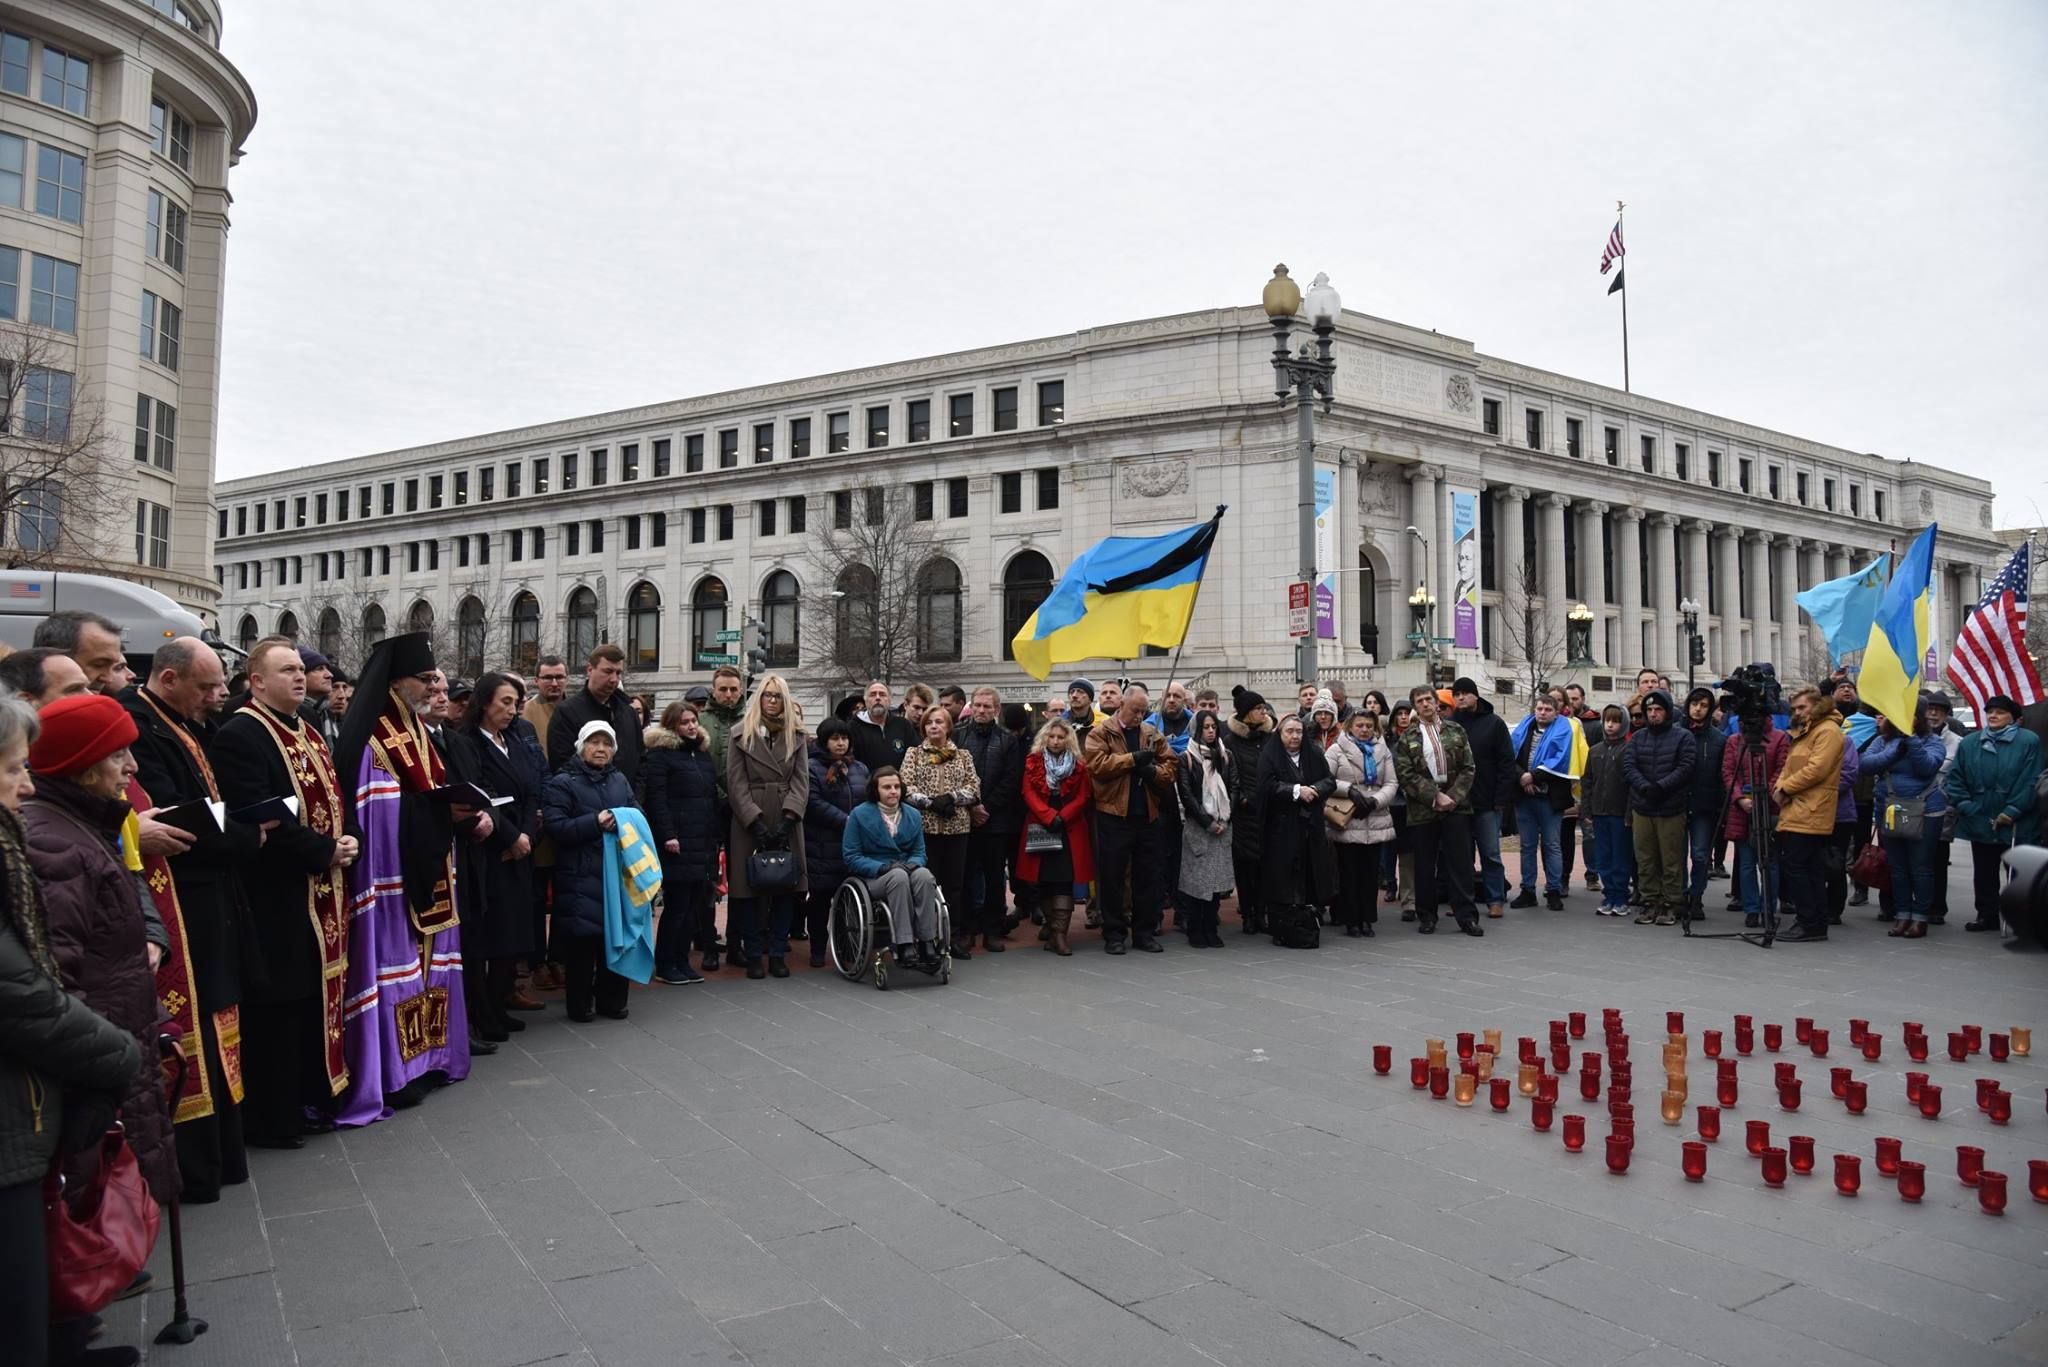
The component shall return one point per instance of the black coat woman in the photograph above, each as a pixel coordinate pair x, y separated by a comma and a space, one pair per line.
497, 920
1297, 871
688, 820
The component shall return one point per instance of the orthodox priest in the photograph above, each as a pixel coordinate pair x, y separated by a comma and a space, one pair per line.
404, 947
295, 959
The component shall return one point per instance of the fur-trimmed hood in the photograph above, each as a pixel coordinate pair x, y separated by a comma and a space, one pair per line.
1244, 730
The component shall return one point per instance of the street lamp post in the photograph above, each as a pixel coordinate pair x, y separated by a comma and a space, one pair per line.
1695, 648
1309, 376
1422, 613
1579, 630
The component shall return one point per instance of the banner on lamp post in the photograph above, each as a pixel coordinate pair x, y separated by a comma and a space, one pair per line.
1465, 571
1326, 555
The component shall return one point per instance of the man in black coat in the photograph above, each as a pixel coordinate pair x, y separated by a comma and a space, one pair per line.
880, 736
601, 700
297, 940
169, 707
999, 820
1493, 788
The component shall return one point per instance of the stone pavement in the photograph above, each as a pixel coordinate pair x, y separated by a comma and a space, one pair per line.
1160, 1159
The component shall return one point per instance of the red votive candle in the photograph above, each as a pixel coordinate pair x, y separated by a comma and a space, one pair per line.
1727, 1067
1526, 1049
1888, 1159
1930, 1101
1560, 1057
2001, 1047
1969, 1163
1774, 1167
1912, 1180
1914, 1082
2037, 1178
1774, 1037
1622, 1127
1838, 1081
1621, 1110
1848, 1174
1578, 1024
1912, 1027
1799, 1149
1540, 1112
1802, 1028
2000, 1109
1618, 1150
1674, 1022
1710, 1122
1856, 1096
1725, 1091
1782, 1073
1745, 1022
1418, 1072
1693, 1160
1817, 1040
1383, 1059
1857, 1030
1546, 1088
1590, 1061
1710, 1043
1589, 1086
1759, 1136
1958, 1047
1990, 1189
1616, 1094
1745, 1042
1440, 1082
1622, 1074
1916, 1048
1465, 1044
1574, 1133
1499, 1091
1872, 1046
1788, 1095
1973, 1038
1985, 1087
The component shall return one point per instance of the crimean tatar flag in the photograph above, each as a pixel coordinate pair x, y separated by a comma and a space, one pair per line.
1894, 659
1844, 608
1120, 595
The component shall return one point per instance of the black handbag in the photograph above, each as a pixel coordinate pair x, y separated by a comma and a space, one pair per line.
772, 871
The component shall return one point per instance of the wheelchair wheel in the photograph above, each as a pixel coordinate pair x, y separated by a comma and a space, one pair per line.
852, 930
945, 974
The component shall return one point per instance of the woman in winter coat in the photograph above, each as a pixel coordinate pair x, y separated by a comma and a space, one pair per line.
839, 782
1206, 875
1246, 736
882, 844
939, 780
497, 929
1397, 858
52, 1046
1749, 778
1057, 798
579, 802
92, 906
681, 783
1906, 768
768, 784
1298, 874
1364, 770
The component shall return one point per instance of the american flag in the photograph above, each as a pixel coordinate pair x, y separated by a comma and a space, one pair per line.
1991, 657
29, 588
1614, 248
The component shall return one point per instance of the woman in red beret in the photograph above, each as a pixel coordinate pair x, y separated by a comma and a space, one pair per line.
94, 904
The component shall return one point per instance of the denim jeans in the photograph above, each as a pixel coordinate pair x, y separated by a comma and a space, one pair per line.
1912, 863
1611, 852
1699, 829
1745, 879
1493, 875
1536, 819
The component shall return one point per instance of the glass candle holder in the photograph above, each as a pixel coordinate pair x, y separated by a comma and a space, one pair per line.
1589, 1086
1482, 1064
1574, 1133
1782, 1073
1546, 1087
1618, 1096
1693, 1160
1435, 1049
1383, 1059
1857, 1030
1540, 1112
1439, 1081
1499, 1092
1914, 1082
2023, 1040
1802, 1028
1838, 1081
1912, 1027
1958, 1046
1492, 1038
1679, 1083
1591, 1061
1465, 1038
1799, 1152
2000, 1047
2037, 1178
1817, 1040
1973, 1038
1727, 1067
1990, 1190
1930, 1101
2000, 1109
1617, 1049
1674, 1022
1622, 1074
1578, 1024
1622, 1127
1621, 1110
1465, 1088
1673, 1107
1525, 1049
1725, 1091
1674, 1056
1848, 1174
1856, 1096
1557, 1029
1912, 1180
1969, 1164
1709, 1122
1872, 1046
1618, 1150
1525, 1078
1985, 1087
1745, 1022
1560, 1058
1788, 1096
1745, 1042
1774, 1037
1888, 1160
1774, 1167
1418, 1072
1916, 1048
1710, 1043
1470, 1066
1759, 1136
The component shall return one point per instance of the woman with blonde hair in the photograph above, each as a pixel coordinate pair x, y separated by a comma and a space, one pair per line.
939, 780
1057, 800
768, 784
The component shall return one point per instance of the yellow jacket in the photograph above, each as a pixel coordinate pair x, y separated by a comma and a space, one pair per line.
1809, 782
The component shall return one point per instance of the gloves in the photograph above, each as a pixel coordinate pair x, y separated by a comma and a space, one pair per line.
1368, 804
1144, 761
758, 828
943, 804
782, 831
963, 798
919, 801
1058, 823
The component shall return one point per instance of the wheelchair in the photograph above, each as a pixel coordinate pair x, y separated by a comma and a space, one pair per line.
859, 932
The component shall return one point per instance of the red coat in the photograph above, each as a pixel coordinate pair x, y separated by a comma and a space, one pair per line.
1075, 805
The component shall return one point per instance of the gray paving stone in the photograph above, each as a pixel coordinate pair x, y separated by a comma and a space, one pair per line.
1068, 1320
401, 1337
333, 1267
659, 1124
805, 1336
228, 1242
317, 1177
1093, 1144
1426, 1339
243, 1318
1105, 1261
1312, 1292
635, 1318
1894, 1337
762, 1202
1108, 1198
929, 1235
495, 1149
425, 1200
939, 1173
785, 1144
557, 1230
613, 1172
1010, 1352
1233, 1327
482, 1305
903, 1308
705, 1256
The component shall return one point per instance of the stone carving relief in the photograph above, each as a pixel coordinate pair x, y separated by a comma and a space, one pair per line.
1926, 501
1984, 515
1458, 393
1157, 480
1376, 492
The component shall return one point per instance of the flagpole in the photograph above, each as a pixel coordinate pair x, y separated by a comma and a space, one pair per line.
1625, 386
1173, 665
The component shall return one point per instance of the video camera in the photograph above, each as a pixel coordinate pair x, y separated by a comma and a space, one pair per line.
1756, 694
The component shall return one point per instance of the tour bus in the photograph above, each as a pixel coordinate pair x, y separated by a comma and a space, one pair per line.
147, 618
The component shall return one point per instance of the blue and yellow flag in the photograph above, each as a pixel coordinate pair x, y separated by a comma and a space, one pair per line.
1844, 608
1120, 595
1894, 659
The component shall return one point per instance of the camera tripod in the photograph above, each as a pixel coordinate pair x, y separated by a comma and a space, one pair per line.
1752, 775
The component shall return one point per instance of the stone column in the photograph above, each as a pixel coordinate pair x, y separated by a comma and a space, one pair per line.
1664, 589
1592, 582
1696, 562
1838, 562
1734, 641
1350, 584
1813, 560
1759, 607
1510, 551
1628, 549
1550, 513
1422, 516
1791, 635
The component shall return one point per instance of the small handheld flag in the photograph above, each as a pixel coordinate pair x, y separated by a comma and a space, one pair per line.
1893, 658
1991, 656
1844, 608
1120, 595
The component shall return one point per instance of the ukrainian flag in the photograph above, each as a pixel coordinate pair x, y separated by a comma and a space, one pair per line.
1120, 595
1893, 661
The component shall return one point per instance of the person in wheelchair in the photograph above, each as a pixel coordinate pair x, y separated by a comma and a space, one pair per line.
884, 848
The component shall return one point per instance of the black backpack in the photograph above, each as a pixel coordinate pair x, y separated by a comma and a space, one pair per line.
1295, 926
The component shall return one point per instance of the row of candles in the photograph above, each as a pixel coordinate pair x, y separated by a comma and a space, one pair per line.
1476, 1056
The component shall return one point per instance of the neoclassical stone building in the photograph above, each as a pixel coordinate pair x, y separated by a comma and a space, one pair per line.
1528, 493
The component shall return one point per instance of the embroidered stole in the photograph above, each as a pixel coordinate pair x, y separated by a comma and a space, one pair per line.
400, 746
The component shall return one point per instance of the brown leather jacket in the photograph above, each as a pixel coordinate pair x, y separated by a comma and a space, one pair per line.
1110, 763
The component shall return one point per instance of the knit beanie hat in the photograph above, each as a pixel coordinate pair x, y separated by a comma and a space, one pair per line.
1244, 701
78, 732
1084, 685
1326, 701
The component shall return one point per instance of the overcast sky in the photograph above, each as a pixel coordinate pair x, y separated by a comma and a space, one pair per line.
458, 217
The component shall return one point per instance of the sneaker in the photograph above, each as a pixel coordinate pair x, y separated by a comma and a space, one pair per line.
1592, 882
1608, 910
1665, 918
1648, 918
1800, 935
817, 958
1554, 901
675, 976
1525, 898
1753, 921
1112, 946
711, 962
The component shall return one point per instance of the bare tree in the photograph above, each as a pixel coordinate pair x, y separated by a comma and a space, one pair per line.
1534, 633
469, 643
351, 640
868, 564
59, 500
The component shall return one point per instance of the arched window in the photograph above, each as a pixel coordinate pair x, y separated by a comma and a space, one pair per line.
938, 610
582, 632
330, 633
779, 611
526, 634
855, 625
643, 627
288, 625
421, 617
1027, 582
469, 636
247, 633
373, 627
707, 619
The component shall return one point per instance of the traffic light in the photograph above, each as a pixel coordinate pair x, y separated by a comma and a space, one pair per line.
1699, 650
757, 649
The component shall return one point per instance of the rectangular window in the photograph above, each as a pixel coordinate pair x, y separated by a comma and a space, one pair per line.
412, 495
597, 537
46, 403
572, 538
435, 485
1048, 489
729, 448
1827, 494
764, 517
512, 471
66, 80
14, 69
1855, 500
53, 294
1573, 429
412, 557
277, 513
540, 543
629, 461
164, 230
515, 543
725, 522
600, 466
1801, 487
320, 510
693, 454
165, 453
223, 531
878, 428
1877, 504
169, 327
842, 511
1010, 492
570, 460
664, 461
461, 552
917, 420
1681, 460
41, 524
1003, 409
484, 480
152, 535
1742, 474
363, 500
960, 415
1052, 403
144, 408
1532, 428
660, 528
696, 525
956, 498
838, 433
1649, 453
299, 511
799, 438
921, 494
876, 507
13, 170
1489, 417
384, 560
242, 520
483, 548
462, 488
1771, 482
146, 338
540, 474
632, 533
10, 282
1613, 437
764, 443
262, 517
1714, 468
180, 150
60, 185
799, 515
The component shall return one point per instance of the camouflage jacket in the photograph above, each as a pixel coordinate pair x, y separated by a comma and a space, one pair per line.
1411, 768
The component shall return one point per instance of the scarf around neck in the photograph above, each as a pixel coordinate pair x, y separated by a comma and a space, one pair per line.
1057, 767
1215, 791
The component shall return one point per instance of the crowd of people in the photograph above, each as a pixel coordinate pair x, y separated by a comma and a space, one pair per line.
319, 899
